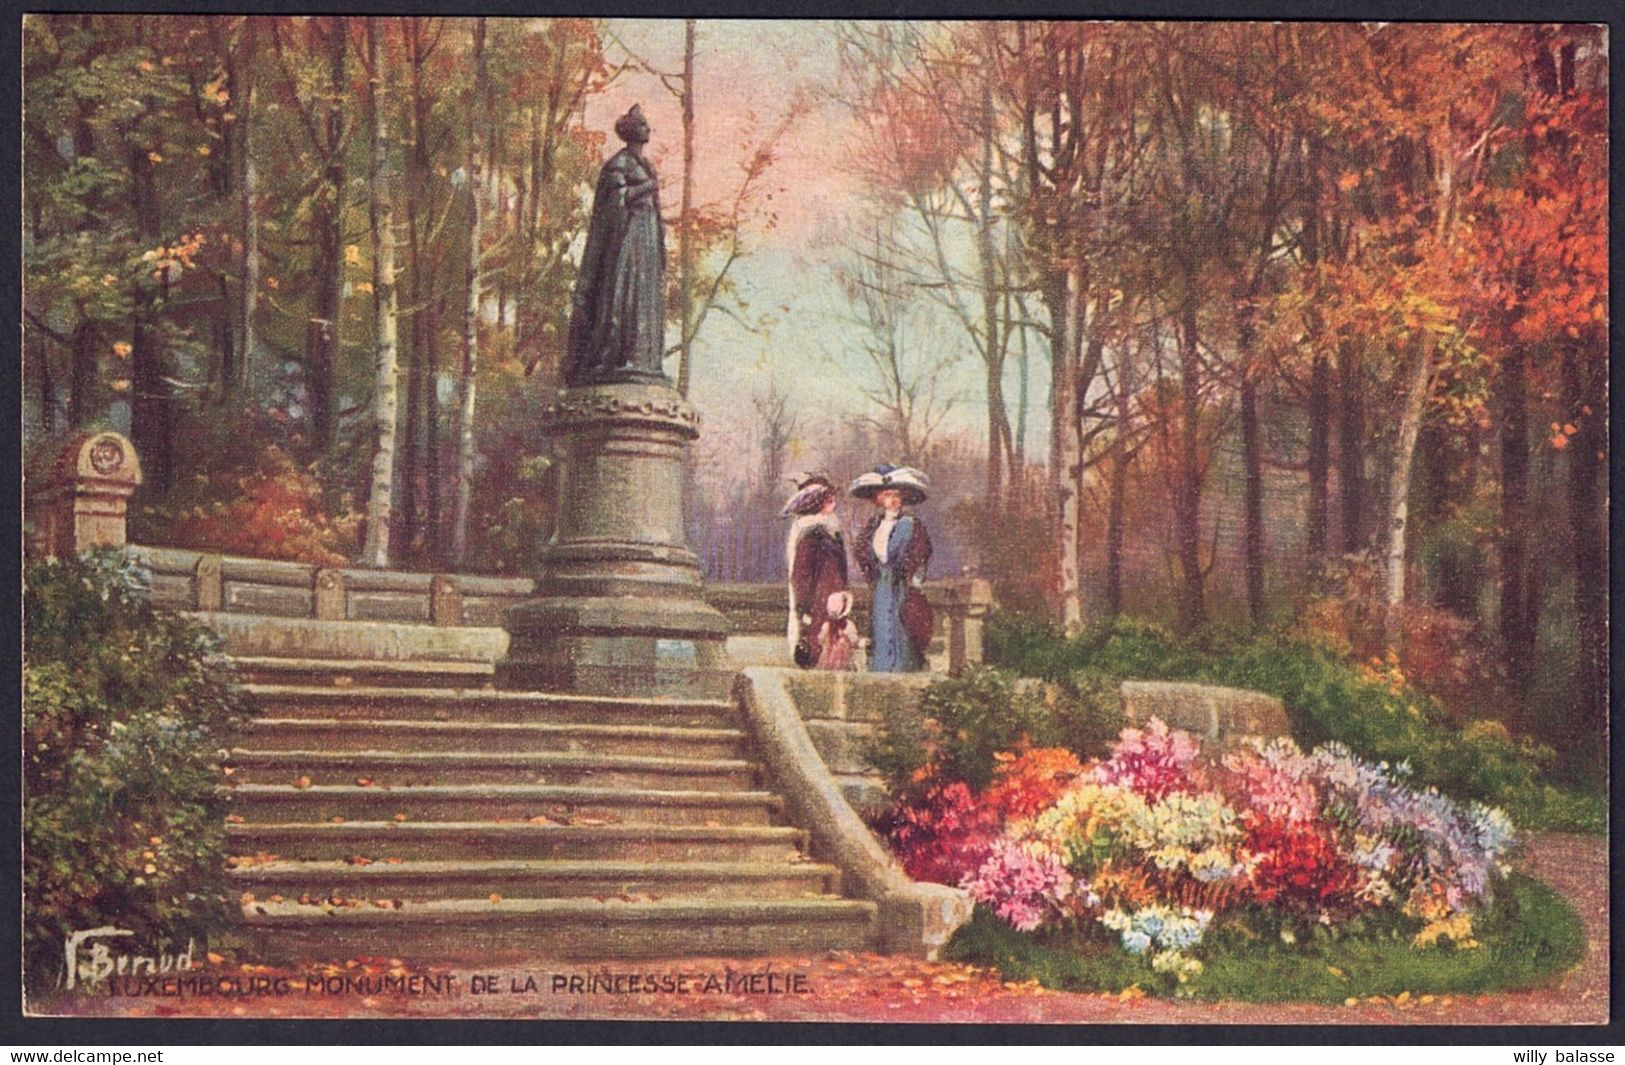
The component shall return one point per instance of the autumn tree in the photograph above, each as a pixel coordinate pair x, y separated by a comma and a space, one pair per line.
381, 218
904, 357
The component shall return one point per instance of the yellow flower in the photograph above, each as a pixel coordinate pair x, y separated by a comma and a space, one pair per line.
122, 349
154, 157
203, 149
1458, 928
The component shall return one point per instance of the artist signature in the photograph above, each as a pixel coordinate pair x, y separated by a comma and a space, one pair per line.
100, 961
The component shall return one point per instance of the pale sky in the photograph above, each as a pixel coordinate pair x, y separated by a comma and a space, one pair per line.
746, 72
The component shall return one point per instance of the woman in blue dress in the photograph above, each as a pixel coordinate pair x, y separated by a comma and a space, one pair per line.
893, 551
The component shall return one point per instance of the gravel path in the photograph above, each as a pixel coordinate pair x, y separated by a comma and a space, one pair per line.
872, 988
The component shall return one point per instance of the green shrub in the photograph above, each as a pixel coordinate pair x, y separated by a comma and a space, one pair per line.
1529, 935
125, 710
964, 721
1373, 711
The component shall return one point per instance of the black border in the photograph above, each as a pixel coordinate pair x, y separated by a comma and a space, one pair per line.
19, 1030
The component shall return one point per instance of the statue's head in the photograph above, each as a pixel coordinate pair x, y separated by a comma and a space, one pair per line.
632, 127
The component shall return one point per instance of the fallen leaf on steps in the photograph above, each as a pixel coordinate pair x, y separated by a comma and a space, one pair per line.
302, 783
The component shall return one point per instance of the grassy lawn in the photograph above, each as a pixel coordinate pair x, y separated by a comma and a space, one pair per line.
1527, 939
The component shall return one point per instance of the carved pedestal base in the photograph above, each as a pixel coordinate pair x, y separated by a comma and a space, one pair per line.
619, 607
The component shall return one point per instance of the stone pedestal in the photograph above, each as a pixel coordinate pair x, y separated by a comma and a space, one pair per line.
82, 502
619, 607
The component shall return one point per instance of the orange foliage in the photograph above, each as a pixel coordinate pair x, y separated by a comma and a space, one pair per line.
1030, 780
278, 513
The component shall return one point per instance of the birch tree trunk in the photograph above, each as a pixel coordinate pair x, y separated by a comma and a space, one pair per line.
1066, 451
1419, 376
471, 309
375, 552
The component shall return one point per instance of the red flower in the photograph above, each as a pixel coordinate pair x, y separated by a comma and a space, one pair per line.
944, 835
1299, 866
1030, 781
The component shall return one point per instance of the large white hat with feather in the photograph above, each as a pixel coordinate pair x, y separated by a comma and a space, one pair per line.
907, 480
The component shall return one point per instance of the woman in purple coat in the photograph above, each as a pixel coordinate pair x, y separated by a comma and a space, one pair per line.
815, 556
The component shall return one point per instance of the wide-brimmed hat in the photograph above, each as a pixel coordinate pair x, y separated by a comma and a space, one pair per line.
905, 479
810, 496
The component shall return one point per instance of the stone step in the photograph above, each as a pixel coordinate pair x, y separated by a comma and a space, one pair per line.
336, 734
394, 769
452, 704
462, 802
340, 672
449, 840
480, 930
367, 879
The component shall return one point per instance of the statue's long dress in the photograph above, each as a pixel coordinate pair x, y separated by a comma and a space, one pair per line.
619, 321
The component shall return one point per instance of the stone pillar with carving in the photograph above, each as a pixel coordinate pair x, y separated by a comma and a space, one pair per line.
619, 608
83, 498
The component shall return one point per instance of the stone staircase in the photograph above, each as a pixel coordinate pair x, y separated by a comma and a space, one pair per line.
407, 809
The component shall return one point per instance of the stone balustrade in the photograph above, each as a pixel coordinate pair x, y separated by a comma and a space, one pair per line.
78, 502
960, 605
186, 579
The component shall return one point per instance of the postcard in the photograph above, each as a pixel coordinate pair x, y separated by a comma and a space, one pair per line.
891, 521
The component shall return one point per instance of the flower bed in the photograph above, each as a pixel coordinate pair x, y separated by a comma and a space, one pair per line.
1158, 847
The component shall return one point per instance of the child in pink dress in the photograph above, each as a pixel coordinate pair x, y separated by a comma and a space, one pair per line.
838, 637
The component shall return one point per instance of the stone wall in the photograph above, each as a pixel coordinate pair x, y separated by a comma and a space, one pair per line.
195, 580
184, 579
842, 712
1219, 715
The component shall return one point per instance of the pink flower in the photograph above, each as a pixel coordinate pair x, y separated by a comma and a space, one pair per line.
1021, 885
1154, 761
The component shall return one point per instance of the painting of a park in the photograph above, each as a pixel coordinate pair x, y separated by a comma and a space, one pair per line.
1026, 522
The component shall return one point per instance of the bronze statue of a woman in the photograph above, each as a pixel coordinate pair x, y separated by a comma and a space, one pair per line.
617, 322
